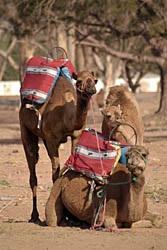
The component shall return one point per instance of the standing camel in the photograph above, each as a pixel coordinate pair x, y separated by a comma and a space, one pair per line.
63, 114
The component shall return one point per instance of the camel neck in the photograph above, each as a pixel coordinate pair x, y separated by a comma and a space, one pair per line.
82, 110
139, 184
135, 199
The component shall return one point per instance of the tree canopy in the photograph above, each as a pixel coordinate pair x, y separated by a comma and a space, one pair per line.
131, 30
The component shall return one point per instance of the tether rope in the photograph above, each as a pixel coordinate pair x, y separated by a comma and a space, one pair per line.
124, 124
97, 139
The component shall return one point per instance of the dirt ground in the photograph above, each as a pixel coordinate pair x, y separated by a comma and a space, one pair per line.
16, 199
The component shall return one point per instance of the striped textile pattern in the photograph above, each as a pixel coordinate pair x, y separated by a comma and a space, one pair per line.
87, 159
41, 75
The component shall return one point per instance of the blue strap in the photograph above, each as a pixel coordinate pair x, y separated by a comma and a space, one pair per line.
123, 157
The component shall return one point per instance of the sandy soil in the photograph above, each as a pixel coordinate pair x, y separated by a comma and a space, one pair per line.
16, 201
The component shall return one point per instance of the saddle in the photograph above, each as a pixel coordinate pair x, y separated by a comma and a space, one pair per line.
94, 156
41, 76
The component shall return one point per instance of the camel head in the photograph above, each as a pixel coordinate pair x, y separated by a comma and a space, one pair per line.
112, 115
85, 83
137, 159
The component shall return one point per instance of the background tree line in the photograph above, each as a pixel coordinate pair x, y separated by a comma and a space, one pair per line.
112, 38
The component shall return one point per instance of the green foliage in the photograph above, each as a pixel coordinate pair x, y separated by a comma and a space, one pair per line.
10, 73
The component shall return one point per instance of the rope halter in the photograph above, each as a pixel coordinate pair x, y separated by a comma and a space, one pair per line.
142, 157
124, 124
82, 87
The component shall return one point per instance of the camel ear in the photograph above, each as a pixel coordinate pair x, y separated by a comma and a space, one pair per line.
74, 76
93, 74
119, 107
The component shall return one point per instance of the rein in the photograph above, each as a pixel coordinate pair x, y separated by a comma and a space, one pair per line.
101, 192
97, 139
124, 124
83, 86
135, 150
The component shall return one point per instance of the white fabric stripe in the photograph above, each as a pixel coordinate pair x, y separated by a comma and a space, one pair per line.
41, 70
35, 93
95, 154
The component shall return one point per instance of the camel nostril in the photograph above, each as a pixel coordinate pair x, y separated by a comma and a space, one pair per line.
91, 90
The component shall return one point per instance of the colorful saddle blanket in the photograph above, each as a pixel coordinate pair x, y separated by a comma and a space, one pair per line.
42, 74
94, 156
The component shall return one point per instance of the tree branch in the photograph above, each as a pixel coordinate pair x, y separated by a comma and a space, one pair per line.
123, 55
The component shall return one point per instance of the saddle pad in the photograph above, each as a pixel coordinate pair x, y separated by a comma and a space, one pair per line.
89, 161
41, 76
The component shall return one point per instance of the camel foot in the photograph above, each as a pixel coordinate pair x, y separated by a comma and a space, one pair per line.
35, 221
113, 229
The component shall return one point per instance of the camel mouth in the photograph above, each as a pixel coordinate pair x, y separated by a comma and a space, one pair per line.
135, 170
86, 94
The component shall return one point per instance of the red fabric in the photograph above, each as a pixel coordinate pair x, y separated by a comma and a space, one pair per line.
39, 81
89, 164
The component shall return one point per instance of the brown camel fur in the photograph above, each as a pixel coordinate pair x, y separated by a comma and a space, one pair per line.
62, 115
129, 113
126, 202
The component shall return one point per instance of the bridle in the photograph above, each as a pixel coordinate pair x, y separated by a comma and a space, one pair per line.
126, 124
137, 151
84, 84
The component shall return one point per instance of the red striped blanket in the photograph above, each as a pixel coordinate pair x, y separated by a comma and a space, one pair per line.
41, 76
88, 160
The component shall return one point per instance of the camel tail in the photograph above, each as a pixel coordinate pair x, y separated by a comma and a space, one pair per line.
50, 212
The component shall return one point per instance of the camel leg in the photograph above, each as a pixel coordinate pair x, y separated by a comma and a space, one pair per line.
52, 147
110, 216
54, 207
30, 144
155, 219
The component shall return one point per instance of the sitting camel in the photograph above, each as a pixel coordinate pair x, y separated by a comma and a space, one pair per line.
127, 114
63, 114
124, 194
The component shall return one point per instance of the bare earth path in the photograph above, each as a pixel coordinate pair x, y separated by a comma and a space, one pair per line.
16, 203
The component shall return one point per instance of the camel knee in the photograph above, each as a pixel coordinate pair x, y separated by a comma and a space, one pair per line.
155, 219
54, 206
50, 215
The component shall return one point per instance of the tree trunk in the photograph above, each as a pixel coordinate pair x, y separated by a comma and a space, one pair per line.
27, 50
71, 44
90, 64
3, 68
62, 36
80, 60
108, 76
159, 118
162, 111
